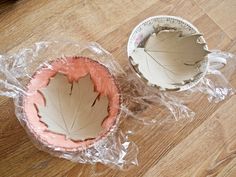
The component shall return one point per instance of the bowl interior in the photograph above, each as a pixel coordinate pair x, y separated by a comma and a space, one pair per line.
74, 68
163, 78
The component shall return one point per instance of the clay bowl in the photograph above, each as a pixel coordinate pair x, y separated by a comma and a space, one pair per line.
73, 68
163, 73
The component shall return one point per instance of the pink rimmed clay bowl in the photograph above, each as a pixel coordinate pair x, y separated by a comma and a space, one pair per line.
71, 104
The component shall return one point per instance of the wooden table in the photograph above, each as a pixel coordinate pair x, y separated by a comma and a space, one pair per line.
204, 147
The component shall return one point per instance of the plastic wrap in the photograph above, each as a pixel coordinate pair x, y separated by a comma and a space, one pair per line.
216, 85
24, 76
173, 105
171, 64
137, 100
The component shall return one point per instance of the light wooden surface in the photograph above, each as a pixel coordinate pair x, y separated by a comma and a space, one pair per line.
204, 147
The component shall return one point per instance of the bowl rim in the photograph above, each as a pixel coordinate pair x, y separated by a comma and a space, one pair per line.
92, 141
140, 75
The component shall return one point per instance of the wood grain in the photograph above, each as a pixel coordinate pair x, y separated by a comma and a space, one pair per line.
204, 147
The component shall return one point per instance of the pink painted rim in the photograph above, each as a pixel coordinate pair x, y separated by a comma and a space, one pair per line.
68, 66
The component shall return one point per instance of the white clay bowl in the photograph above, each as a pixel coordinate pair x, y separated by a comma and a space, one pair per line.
167, 68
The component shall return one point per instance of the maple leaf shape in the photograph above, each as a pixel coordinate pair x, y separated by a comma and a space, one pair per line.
169, 59
74, 110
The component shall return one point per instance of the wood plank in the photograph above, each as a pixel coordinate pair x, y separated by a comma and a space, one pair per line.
223, 13
208, 5
67, 20
206, 151
204, 146
224, 16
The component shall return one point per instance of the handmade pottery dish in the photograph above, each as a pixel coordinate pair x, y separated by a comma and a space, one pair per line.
72, 104
169, 53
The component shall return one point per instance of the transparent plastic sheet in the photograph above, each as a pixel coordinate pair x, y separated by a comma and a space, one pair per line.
216, 85
174, 105
18, 72
210, 81
140, 105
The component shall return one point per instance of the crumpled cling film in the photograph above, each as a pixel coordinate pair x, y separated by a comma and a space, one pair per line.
215, 86
19, 69
141, 104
